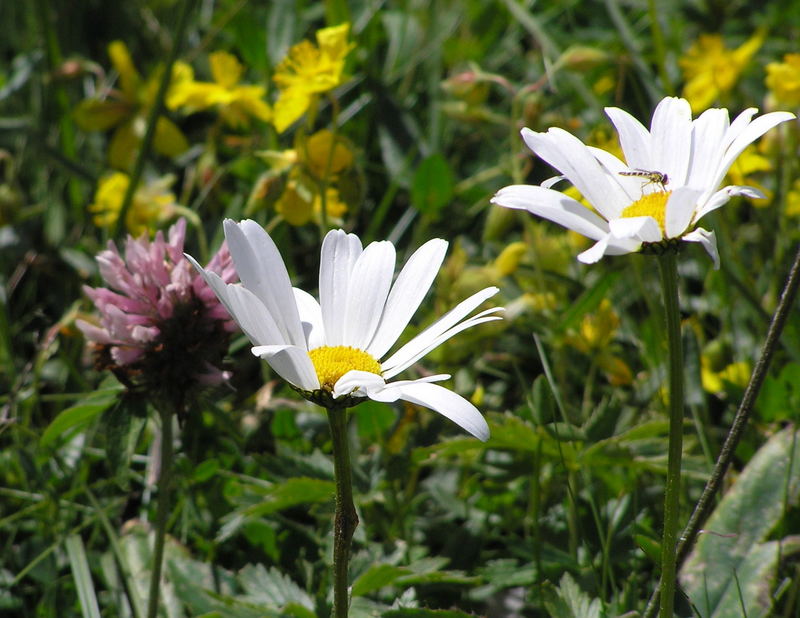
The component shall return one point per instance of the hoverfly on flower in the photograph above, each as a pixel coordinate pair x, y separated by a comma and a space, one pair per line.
652, 177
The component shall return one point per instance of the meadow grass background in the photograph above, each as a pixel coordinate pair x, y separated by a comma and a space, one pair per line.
559, 513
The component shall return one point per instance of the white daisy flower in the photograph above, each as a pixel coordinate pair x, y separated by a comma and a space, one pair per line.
330, 350
653, 199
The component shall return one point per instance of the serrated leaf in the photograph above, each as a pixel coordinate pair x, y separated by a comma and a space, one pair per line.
272, 588
80, 414
432, 186
569, 601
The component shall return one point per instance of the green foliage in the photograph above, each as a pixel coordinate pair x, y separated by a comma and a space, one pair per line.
733, 567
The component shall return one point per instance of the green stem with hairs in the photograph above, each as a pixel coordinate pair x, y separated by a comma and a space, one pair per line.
346, 518
668, 268
162, 510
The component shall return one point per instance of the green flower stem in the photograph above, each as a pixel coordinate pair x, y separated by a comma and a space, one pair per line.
668, 268
706, 502
152, 119
346, 519
162, 511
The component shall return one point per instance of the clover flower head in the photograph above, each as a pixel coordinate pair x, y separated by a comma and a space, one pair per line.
655, 198
330, 350
160, 326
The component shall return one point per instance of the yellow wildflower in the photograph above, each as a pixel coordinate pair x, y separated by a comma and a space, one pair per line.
236, 102
327, 154
597, 330
751, 162
152, 203
736, 374
309, 70
711, 69
783, 79
793, 200
299, 204
127, 109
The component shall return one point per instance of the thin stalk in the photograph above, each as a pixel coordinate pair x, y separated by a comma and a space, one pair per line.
668, 268
346, 519
162, 510
152, 119
705, 503
654, 10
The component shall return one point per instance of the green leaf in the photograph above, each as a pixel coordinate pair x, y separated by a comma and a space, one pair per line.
569, 601
272, 588
290, 493
79, 565
79, 415
374, 420
731, 571
376, 577
432, 186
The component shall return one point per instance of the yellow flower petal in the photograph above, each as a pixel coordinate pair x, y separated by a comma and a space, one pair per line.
711, 69
169, 139
225, 69
293, 207
129, 78
291, 104
327, 154
783, 79
123, 147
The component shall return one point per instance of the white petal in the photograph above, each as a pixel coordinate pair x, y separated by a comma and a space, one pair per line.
609, 246
721, 197
708, 133
410, 287
554, 206
643, 229
291, 363
671, 138
571, 157
374, 386
370, 281
444, 401
630, 185
310, 318
441, 330
245, 308
262, 271
550, 182
708, 240
339, 254
680, 210
633, 137
747, 136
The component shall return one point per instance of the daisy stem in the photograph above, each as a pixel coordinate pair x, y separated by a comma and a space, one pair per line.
346, 519
668, 268
162, 510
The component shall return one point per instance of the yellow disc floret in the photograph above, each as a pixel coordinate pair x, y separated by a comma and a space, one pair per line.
650, 205
332, 362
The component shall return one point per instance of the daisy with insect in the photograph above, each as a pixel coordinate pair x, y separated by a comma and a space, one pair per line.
682, 161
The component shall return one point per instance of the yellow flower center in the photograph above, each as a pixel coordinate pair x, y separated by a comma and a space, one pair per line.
650, 205
332, 362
